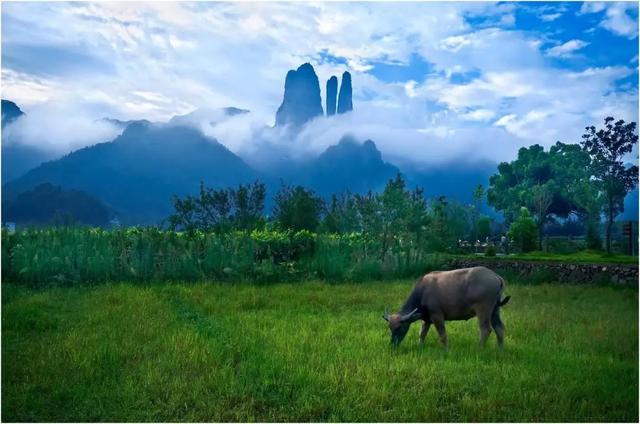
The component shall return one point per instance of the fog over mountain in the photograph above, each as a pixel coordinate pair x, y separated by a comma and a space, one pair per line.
297, 93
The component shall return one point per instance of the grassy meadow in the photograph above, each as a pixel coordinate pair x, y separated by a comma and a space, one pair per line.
310, 352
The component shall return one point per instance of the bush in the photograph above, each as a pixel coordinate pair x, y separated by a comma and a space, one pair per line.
490, 251
524, 232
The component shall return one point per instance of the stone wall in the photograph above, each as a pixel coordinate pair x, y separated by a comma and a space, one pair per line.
557, 271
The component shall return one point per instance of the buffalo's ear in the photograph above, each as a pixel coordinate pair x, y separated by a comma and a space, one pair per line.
385, 318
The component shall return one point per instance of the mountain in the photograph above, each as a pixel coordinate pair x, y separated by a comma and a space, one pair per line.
455, 180
345, 103
47, 204
138, 172
17, 159
331, 93
358, 167
10, 112
301, 102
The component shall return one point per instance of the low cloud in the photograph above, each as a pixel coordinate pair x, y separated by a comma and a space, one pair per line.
61, 127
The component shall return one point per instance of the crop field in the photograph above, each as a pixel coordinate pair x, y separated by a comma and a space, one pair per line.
310, 352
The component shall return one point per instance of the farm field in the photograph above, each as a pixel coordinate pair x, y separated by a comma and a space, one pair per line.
310, 352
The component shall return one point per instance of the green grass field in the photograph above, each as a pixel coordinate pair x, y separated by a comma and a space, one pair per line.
310, 352
584, 256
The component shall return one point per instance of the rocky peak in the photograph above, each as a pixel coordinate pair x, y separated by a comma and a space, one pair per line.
301, 102
345, 103
332, 92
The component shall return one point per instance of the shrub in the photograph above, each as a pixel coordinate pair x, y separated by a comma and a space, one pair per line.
490, 251
524, 232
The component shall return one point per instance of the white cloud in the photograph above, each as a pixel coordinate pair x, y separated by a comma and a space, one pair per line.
550, 17
567, 49
171, 58
621, 18
61, 126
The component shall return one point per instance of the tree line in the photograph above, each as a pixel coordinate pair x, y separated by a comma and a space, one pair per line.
587, 180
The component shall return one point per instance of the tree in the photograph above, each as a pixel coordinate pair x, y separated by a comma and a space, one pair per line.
523, 231
540, 181
248, 203
540, 201
220, 210
607, 147
341, 215
590, 203
478, 194
297, 209
483, 227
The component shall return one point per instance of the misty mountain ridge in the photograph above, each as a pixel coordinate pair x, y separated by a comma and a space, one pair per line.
137, 173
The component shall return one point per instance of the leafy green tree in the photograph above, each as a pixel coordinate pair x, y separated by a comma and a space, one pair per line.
478, 195
607, 147
248, 202
209, 211
523, 231
394, 209
220, 210
483, 227
540, 181
297, 208
341, 215
589, 200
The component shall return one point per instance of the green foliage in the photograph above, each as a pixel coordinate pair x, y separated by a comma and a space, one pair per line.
490, 251
484, 227
70, 256
541, 181
311, 352
523, 231
220, 210
606, 149
297, 209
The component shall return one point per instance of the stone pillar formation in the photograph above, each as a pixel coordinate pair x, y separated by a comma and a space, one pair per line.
332, 92
345, 103
301, 102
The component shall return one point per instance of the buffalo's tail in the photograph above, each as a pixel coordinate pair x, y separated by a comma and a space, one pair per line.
506, 299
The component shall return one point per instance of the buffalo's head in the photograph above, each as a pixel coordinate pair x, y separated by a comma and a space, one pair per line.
399, 324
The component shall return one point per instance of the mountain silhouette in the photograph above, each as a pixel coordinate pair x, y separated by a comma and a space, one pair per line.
138, 172
10, 112
47, 204
301, 101
349, 165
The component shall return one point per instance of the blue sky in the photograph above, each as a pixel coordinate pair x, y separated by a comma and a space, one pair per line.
432, 81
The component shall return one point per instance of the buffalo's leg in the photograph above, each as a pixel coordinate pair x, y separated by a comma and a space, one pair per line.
497, 325
424, 331
442, 332
485, 328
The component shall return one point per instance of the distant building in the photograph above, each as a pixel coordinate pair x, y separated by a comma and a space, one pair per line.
115, 222
10, 226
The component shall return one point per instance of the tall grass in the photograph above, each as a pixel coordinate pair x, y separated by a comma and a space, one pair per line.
69, 256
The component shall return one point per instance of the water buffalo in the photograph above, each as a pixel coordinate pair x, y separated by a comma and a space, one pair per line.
452, 296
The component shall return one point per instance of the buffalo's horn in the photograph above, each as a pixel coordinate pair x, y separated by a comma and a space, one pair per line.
386, 314
409, 315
